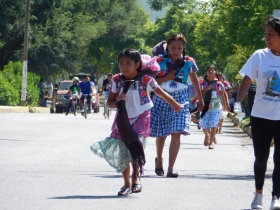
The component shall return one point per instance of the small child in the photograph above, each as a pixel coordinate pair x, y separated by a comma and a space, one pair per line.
137, 104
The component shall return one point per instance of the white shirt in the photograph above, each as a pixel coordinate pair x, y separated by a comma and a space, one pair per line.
137, 98
264, 67
50, 89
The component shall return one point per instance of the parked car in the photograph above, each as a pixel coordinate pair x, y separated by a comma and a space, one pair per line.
62, 97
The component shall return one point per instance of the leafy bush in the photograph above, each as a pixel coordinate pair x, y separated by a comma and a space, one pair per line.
32, 93
11, 82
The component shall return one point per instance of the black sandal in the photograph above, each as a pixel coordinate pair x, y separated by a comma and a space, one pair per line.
172, 175
124, 191
158, 171
139, 186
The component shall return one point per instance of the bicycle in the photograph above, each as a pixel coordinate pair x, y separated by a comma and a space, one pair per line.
74, 103
107, 111
86, 107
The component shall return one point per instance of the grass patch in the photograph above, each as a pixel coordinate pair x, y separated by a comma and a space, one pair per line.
32, 109
244, 122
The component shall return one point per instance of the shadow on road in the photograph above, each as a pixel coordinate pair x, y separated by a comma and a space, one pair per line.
107, 176
87, 197
11, 140
195, 176
222, 177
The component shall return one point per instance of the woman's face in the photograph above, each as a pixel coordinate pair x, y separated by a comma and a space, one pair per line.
128, 67
175, 49
272, 39
211, 72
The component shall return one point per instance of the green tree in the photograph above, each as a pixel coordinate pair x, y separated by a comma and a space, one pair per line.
11, 80
11, 30
60, 36
231, 32
59, 33
126, 22
178, 19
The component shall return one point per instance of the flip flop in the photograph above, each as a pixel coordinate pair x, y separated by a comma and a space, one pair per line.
139, 186
215, 140
211, 146
172, 175
158, 171
124, 191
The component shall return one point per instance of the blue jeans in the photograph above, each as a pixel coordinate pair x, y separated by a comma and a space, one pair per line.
42, 98
69, 106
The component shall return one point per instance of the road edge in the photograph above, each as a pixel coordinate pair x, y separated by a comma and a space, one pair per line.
235, 120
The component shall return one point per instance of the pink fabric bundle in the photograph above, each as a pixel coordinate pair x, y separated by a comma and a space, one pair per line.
149, 63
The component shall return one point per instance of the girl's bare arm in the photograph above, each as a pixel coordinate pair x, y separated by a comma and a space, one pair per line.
166, 97
197, 90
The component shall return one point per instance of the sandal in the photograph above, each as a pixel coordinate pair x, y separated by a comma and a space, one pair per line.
206, 142
211, 146
139, 186
124, 191
172, 175
158, 171
215, 140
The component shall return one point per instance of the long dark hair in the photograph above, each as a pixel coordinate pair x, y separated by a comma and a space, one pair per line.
133, 55
213, 67
175, 37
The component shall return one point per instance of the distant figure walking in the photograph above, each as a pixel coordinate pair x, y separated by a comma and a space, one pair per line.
105, 89
42, 88
214, 99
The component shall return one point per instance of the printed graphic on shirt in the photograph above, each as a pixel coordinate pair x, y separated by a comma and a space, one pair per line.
173, 84
75, 89
273, 85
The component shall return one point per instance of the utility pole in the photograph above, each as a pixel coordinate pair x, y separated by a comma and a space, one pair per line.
25, 55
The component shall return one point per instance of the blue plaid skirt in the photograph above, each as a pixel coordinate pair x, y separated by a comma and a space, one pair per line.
164, 120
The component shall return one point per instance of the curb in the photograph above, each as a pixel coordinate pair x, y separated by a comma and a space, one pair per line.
24, 109
235, 120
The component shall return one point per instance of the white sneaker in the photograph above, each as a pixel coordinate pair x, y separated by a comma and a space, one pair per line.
275, 203
257, 202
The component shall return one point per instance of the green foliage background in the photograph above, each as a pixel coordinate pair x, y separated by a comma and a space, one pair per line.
10, 89
71, 36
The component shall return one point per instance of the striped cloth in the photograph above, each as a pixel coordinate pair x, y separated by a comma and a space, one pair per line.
164, 120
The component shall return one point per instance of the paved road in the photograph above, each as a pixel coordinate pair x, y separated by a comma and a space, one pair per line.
46, 164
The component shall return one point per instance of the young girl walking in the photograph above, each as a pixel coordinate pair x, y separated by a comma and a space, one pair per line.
176, 68
213, 91
130, 129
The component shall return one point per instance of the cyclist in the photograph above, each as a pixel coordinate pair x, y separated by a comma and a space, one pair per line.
105, 89
72, 90
86, 87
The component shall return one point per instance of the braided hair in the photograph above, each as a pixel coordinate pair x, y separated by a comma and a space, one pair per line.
213, 67
175, 37
132, 54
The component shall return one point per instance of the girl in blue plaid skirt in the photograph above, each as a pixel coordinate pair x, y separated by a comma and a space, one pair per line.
175, 70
